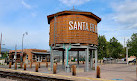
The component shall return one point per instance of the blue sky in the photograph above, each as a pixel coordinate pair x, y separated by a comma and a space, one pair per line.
119, 19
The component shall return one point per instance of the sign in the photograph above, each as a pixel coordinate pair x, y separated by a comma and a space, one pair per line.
82, 26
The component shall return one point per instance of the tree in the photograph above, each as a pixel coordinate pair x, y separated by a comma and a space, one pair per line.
102, 47
5, 54
115, 48
133, 45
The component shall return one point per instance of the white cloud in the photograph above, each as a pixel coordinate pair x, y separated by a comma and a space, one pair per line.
33, 14
25, 4
126, 13
73, 2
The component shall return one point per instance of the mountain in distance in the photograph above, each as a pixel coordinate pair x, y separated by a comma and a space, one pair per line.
4, 50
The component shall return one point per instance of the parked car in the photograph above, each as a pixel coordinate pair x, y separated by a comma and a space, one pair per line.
107, 59
132, 61
104, 59
123, 59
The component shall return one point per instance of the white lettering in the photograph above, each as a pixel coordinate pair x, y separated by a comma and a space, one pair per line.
87, 26
96, 29
79, 25
70, 23
75, 25
93, 28
84, 26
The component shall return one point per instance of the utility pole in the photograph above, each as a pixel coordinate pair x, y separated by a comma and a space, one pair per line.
73, 8
15, 55
127, 54
26, 33
0, 44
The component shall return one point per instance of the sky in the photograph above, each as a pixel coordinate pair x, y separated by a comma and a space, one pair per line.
119, 19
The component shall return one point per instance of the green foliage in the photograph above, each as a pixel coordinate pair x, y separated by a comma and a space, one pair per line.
133, 45
115, 48
5, 55
102, 47
109, 49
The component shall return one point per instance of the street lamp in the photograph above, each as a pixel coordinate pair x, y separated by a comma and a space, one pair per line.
26, 33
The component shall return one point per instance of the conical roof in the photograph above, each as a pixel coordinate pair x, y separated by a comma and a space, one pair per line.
74, 11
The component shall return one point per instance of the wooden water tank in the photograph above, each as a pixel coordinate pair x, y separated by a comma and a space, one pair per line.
73, 27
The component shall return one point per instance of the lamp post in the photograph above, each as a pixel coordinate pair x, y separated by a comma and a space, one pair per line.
15, 55
26, 33
0, 45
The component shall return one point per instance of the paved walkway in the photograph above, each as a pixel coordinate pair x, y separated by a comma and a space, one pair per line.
108, 72
55, 75
119, 71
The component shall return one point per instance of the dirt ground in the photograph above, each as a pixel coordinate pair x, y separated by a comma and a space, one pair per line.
122, 72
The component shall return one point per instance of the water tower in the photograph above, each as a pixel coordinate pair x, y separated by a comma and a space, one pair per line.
74, 30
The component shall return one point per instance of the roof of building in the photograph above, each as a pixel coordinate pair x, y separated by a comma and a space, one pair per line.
24, 50
73, 11
41, 53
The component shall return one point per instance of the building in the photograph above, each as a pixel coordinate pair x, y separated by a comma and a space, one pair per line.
34, 55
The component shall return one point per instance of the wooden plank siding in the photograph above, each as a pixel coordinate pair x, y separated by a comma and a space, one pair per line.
64, 35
